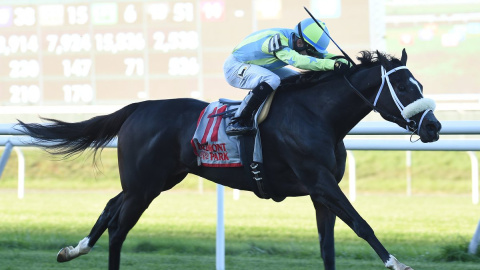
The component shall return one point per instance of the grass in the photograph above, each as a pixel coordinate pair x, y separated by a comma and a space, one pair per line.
178, 231
429, 230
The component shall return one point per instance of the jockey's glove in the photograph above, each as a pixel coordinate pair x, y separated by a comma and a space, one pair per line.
345, 61
341, 68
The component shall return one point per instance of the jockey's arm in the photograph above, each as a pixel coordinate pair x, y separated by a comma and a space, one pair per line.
330, 55
306, 62
277, 45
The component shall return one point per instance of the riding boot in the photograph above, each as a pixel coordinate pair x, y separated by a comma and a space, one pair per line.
243, 124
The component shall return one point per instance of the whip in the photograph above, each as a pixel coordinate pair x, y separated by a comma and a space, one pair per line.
344, 53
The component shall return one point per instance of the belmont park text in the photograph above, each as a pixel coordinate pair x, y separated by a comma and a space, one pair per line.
213, 151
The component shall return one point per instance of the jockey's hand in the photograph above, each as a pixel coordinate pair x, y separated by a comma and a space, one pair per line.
341, 68
345, 61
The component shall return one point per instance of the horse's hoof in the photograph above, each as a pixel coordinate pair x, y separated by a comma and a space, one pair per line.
63, 255
394, 264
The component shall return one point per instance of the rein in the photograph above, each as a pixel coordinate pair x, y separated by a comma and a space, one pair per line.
406, 111
410, 125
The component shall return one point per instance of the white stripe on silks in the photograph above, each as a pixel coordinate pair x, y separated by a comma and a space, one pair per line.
274, 43
418, 106
277, 46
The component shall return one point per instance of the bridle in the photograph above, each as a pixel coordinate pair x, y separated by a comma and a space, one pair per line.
422, 104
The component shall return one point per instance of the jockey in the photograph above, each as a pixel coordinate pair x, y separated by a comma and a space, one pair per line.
259, 61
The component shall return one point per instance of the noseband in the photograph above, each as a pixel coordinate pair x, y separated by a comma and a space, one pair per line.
422, 104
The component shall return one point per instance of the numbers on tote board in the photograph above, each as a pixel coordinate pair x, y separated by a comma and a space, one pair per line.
68, 43
24, 16
24, 94
123, 41
181, 40
27, 71
24, 68
134, 65
183, 12
130, 15
182, 66
77, 15
75, 93
77, 67
18, 44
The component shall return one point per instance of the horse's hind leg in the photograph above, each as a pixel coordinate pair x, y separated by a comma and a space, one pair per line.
133, 206
138, 193
85, 245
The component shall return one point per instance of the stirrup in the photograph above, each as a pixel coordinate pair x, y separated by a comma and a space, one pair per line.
236, 127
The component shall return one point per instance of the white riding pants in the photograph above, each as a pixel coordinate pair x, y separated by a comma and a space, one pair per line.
247, 76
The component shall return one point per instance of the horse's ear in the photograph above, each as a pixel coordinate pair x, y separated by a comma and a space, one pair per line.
404, 57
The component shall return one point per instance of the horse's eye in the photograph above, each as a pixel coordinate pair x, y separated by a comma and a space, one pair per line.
401, 87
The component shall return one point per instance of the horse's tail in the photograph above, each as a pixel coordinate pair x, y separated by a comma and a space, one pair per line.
68, 139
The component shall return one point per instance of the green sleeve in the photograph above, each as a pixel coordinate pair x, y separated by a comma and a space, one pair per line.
329, 55
306, 62
343, 60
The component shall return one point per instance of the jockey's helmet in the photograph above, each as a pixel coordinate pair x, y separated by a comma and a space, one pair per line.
309, 31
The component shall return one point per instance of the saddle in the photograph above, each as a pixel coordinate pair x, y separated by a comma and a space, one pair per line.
214, 148
265, 108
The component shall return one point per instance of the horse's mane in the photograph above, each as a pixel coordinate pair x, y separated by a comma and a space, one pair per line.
367, 59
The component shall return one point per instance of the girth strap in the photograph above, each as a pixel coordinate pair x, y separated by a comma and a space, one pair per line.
252, 168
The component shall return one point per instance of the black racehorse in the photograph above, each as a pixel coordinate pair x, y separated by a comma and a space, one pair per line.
302, 140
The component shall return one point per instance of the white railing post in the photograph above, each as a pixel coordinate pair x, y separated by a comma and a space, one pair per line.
409, 172
5, 156
21, 173
352, 176
220, 246
236, 194
474, 161
472, 247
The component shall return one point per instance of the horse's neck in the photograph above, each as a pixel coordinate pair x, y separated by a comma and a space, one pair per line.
351, 108
331, 105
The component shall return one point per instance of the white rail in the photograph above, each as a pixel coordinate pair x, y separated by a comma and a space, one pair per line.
363, 128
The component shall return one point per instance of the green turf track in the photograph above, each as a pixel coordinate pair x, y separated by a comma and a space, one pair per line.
178, 231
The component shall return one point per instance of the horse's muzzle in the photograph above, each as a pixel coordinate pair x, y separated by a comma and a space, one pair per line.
429, 131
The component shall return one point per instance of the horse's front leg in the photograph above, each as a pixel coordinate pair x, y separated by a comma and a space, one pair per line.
325, 218
324, 190
325, 226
